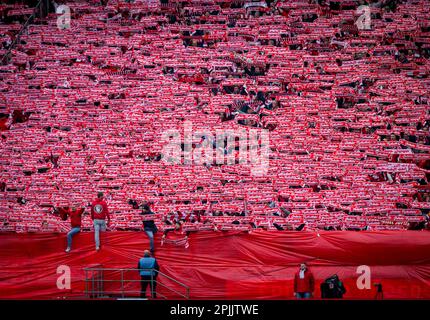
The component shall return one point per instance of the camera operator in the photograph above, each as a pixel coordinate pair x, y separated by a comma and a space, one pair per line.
332, 288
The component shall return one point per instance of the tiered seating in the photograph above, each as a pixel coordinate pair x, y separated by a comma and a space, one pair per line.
347, 111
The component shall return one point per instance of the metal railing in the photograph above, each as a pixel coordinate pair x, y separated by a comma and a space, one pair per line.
107, 283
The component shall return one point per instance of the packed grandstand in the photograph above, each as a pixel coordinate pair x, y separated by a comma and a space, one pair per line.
84, 107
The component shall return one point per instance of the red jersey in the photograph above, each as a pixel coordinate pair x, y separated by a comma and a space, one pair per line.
99, 210
76, 217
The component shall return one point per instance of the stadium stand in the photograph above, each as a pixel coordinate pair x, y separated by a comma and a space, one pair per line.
83, 109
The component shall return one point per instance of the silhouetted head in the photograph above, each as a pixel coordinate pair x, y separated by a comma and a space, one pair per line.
100, 195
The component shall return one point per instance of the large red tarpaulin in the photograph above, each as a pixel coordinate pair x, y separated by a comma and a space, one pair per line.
225, 265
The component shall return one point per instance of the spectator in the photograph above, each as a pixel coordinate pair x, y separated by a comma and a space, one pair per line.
379, 291
75, 221
133, 203
176, 236
99, 212
304, 283
18, 116
332, 288
148, 270
4, 119
149, 226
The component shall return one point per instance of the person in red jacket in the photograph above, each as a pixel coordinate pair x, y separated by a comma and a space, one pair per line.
75, 221
176, 236
304, 283
99, 213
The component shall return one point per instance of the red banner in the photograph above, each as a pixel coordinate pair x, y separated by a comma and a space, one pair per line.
225, 265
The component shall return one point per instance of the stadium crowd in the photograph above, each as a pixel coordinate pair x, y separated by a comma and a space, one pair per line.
82, 109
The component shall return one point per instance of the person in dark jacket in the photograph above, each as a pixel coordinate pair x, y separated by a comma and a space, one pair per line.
149, 226
304, 283
332, 288
148, 270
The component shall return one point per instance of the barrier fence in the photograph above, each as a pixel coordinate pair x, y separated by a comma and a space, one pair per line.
108, 283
